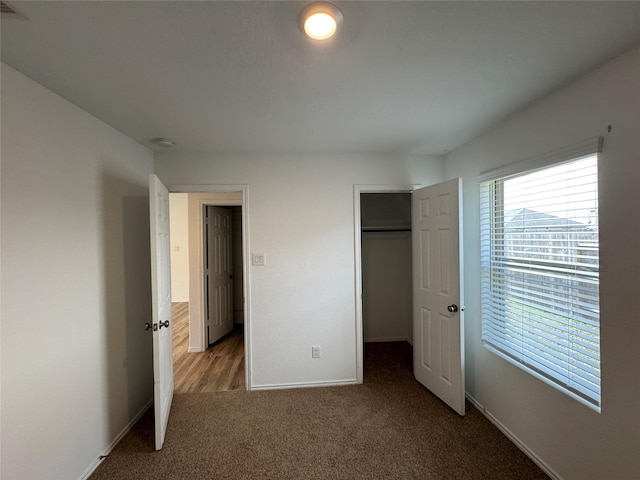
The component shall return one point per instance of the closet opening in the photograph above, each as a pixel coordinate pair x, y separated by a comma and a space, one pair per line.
387, 294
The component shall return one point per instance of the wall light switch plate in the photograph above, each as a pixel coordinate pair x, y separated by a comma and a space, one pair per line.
258, 259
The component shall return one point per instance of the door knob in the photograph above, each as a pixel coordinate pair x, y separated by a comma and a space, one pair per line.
147, 326
164, 324
452, 308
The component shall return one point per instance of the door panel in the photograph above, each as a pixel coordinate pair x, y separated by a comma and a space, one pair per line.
425, 336
439, 341
218, 273
161, 307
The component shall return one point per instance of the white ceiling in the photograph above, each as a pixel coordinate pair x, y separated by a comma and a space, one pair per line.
411, 77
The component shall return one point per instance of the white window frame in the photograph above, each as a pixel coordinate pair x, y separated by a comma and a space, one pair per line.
491, 184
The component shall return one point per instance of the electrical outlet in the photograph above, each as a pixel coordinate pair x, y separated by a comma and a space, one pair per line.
315, 351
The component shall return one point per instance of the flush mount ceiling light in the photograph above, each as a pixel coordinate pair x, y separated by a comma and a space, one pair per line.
320, 20
164, 142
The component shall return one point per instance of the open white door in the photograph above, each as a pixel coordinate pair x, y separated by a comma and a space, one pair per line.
161, 309
438, 323
218, 273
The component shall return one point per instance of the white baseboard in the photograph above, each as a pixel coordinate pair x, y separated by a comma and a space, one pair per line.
195, 349
282, 386
96, 463
180, 300
518, 443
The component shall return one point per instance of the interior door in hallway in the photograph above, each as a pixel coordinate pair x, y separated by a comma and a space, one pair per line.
161, 306
218, 272
438, 323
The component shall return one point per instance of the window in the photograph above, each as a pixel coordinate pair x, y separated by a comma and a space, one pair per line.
540, 268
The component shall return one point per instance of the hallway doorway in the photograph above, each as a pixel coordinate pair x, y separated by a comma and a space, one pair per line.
201, 365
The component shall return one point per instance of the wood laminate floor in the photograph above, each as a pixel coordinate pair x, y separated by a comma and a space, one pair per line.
219, 368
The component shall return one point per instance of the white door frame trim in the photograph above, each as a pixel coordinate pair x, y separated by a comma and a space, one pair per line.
246, 283
357, 190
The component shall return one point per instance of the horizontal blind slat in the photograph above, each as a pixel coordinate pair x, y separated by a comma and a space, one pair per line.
584, 352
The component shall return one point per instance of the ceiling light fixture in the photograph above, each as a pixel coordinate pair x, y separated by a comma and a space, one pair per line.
320, 20
164, 142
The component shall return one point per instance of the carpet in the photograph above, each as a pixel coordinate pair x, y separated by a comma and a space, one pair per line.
390, 427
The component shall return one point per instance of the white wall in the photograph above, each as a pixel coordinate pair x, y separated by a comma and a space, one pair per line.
178, 211
76, 361
387, 293
573, 440
300, 214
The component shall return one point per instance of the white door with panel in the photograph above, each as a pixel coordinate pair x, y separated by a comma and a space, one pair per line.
161, 307
438, 323
218, 268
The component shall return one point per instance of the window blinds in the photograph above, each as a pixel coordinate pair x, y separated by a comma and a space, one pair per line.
540, 270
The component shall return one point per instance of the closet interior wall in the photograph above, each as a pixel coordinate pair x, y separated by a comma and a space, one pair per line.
386, 267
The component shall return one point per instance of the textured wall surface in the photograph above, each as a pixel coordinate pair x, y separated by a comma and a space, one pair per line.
301, 215
76, 361
573, 440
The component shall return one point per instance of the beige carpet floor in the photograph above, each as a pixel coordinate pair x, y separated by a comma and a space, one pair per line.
390, 427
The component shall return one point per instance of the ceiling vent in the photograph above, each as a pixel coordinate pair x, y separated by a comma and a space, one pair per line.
9, 11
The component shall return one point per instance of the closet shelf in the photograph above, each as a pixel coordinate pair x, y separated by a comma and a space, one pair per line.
406, 228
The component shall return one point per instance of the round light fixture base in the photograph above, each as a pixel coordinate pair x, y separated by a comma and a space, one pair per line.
320, 20
164, 142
